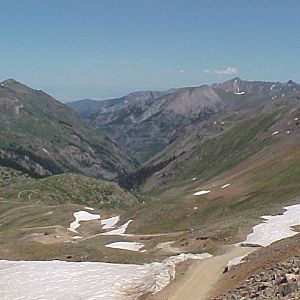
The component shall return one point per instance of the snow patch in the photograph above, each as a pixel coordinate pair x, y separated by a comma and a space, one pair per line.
45, 150
119, 231
225, 186
235, 261
194, 179
239, 93
203, 192
82, 216
275, 132
275, 228
110, 222
272, 87
77, 237
131, 246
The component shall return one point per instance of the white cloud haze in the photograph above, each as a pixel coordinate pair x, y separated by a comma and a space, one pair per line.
226, 71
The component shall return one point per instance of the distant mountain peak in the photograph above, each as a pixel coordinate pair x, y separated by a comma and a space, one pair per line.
9, 81
16, 86
241, 87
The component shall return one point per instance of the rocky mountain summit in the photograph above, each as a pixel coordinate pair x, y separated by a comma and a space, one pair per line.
86, 108
239, 86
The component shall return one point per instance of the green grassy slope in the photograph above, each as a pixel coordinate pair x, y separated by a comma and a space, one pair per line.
221, 153
262, 169
216, 152
42, 136
69, 189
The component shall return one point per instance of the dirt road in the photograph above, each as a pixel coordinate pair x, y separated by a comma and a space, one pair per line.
200, 278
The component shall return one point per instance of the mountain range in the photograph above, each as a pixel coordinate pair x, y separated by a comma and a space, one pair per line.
144, 123
190, 170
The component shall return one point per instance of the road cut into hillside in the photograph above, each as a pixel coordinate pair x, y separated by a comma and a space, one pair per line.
201, 277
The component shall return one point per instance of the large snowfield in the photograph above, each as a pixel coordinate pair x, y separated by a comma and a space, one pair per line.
272, 229
60, 280
275, 228
36, 280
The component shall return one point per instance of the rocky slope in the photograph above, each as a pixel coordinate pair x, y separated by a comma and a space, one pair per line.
87, 108
267, 273
145, 125
281, 281
41, 136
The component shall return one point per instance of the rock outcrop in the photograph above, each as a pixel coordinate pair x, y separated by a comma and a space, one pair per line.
282, 281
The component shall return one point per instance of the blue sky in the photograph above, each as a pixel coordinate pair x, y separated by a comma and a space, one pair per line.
76, 49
